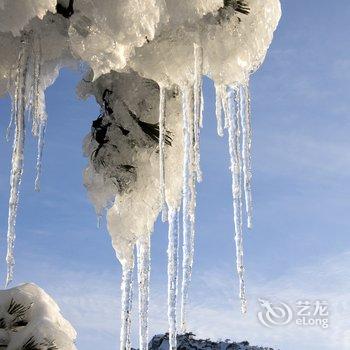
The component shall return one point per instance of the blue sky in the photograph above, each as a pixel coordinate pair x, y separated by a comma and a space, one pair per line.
300, 245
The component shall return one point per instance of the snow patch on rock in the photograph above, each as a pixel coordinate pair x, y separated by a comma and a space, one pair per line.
30, 319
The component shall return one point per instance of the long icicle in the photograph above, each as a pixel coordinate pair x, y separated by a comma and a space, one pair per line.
41, 142
246, 153
192, 181
224, 102
233, 100
39, 116
202, 108
143, 267
14, 84
218, 110
35, 88
127, 296
173, 262
17, 159
186, 195
162, 111
197, 92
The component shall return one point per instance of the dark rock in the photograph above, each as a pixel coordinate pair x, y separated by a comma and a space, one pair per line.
189, 342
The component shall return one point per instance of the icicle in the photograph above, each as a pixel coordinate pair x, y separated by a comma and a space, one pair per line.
218, 110
188, 200
225, 106
173, 257
17, 157
15, 86
36, 110
39, 116
186, 206
127, 295
143, 266
192, 185
9, 127
162, 109
41, 138
202, 109
246, 153
197, 91
233, 98
99, 219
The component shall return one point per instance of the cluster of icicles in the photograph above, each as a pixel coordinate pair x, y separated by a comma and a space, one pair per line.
233, 102
27, 100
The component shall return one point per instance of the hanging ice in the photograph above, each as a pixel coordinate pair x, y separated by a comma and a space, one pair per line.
246, 152
14, 85
218, 110
127, 296
143, 267
38, 112
138, 67
17, 156
162, 151
41, 141
234, 116
173, 251
198, 105
188, 194
35, 98
28, 96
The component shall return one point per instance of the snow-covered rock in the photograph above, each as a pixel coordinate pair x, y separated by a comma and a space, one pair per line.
189, 342
31, 320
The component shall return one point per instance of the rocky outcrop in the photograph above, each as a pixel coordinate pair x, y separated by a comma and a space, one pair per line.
188, 341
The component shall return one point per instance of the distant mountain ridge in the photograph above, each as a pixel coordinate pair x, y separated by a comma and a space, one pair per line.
188, 342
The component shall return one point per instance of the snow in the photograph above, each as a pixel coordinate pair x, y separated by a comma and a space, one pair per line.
16, 14
29, 314
105, 35
146, 60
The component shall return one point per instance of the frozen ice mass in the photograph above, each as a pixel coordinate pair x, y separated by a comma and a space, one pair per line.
145, 62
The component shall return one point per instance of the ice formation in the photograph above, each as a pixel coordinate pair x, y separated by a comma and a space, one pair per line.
30, 319
146, 60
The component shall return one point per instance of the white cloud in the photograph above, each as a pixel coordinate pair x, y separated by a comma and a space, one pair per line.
217, 315
90, 300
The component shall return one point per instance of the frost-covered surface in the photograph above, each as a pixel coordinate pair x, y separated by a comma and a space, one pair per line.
30, 319
145, 64
189, 342
133, 170
29, 64
16, 14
